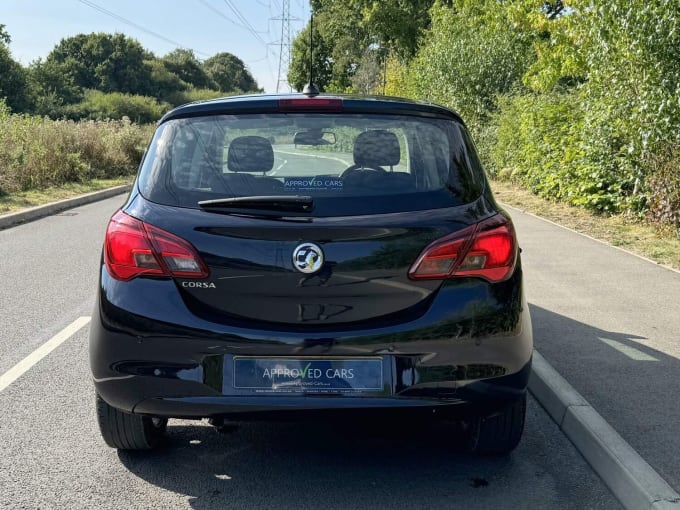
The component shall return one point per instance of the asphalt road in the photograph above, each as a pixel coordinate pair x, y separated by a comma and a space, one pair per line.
53, 457
609, 322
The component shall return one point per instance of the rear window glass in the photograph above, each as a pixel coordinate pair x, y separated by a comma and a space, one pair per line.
348, 163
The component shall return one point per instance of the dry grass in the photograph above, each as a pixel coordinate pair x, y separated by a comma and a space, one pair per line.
38, 153
23, 199
658, 244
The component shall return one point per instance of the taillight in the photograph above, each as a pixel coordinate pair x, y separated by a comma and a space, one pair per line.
133, 248
487, 250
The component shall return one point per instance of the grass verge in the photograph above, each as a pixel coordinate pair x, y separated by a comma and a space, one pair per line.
657, 244
22, 199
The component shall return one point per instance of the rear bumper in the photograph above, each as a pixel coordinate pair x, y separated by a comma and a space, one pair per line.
168, 362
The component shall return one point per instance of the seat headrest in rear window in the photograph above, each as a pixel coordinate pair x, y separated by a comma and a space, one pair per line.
376, 148
250, 154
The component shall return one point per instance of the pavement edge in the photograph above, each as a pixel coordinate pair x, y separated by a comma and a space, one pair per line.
630, 478
40, 211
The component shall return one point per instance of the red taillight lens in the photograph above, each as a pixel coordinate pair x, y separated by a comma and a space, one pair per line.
133, 248
487, 250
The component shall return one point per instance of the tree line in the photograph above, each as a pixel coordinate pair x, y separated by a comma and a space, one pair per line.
577, 100
102, 75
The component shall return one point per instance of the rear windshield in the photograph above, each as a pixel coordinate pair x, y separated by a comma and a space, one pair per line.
348, 163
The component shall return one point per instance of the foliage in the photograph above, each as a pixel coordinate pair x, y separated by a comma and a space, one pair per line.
193, 94
368, 78
471, 54
187, 67
52, 86
349, 31
103, 75
4, 36
621, 60
397, 24
13, 78
115, 105
664, 188
322, 65
37, 152
229, 73
105, 62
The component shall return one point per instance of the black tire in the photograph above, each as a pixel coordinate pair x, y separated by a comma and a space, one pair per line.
127, 431
499, 433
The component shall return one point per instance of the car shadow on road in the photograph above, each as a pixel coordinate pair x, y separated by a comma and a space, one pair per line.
631, 384
292, 464
376, 464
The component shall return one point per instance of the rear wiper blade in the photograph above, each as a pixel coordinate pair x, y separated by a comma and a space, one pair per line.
285, 203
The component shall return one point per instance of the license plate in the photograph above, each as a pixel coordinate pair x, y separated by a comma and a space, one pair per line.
308, 375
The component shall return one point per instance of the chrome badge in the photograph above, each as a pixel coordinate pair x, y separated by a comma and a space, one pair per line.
308, 258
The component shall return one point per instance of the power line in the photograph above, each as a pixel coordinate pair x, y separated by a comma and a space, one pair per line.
222, 15
245, 22
135, 25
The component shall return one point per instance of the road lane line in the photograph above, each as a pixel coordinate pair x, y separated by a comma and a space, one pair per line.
29, 361
629, 351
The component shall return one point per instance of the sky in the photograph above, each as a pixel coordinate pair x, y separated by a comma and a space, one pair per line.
204, 26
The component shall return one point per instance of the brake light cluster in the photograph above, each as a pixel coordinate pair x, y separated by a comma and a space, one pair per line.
311, 104
133, 248
487, 250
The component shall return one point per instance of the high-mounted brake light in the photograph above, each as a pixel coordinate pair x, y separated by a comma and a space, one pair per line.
487, 250
311, 104
133, 248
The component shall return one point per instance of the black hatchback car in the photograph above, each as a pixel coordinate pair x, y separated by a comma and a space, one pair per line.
318, 254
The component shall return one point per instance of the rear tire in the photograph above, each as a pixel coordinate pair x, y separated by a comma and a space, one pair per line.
499, 433
127, 431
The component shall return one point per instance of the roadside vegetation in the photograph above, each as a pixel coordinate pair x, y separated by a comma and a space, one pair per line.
79, 119
576, 102
38, 153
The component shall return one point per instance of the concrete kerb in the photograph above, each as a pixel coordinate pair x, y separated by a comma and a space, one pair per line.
40, 211
630, 478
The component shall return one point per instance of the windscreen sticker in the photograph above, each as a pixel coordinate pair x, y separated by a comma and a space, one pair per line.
312, 183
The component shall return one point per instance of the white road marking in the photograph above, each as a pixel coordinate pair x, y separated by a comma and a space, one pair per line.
319, 156
629, 351
29, 361
279, 167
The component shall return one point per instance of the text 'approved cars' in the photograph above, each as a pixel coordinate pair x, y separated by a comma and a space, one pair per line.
311, 254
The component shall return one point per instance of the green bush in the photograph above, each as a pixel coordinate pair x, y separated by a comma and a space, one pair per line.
193, 94
543, 142
664, 188
37, 152
470, 54
115, 105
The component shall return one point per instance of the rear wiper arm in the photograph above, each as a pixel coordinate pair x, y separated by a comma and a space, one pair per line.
285, 203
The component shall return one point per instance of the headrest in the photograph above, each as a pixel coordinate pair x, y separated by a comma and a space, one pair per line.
376, 148
250, 154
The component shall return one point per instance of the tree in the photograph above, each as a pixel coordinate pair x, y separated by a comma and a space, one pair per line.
397, 24
322, 65
4, 36
229, 73
13, 78
163, 82
369, 75
106, 62
471, 54
53, 86
188, 68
